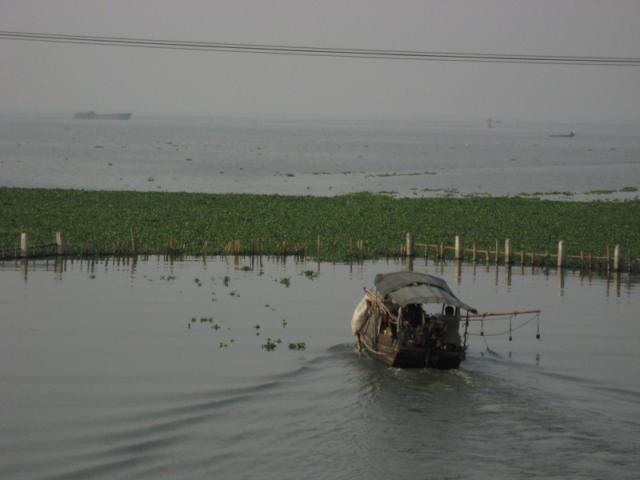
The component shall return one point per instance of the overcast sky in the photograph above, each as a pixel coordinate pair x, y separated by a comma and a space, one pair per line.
62, 78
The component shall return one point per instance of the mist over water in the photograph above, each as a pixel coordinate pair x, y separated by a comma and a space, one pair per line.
117, 369
314, 157
153, 368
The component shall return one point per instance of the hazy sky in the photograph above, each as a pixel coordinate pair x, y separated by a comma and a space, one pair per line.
49, 77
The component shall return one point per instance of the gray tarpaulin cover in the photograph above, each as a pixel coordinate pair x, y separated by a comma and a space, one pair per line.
405, 288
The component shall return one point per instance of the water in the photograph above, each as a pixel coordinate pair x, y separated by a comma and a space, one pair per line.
313, 157
104, 374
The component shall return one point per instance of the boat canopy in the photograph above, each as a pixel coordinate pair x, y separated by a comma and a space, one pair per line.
405, 288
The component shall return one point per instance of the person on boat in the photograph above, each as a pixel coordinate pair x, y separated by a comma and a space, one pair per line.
451, 332
391, 327
413, 315
410, 320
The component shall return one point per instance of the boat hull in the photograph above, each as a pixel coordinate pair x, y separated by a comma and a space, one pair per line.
391, 353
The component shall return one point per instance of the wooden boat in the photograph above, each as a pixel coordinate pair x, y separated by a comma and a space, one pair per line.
394, 324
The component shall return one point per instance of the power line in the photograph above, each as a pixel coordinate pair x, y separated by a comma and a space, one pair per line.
266, 49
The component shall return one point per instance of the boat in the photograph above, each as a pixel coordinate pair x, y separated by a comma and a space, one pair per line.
564, 135
411, 320
91, 115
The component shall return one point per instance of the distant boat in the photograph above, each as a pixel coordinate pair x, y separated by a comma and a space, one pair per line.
102, 116
565, 135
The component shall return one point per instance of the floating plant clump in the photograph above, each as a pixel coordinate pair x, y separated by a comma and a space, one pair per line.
298, 346
269, 345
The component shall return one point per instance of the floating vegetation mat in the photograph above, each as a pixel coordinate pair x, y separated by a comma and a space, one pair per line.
334, 228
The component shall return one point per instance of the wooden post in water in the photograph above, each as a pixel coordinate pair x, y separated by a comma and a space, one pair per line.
409, 245
616, 258
561, 254
474, 252
133, 239
24, 249
457, 248
497, 251
318, 246
58, 239
507, 251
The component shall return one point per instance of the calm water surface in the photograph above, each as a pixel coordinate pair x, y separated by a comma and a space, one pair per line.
104, 374
314, 157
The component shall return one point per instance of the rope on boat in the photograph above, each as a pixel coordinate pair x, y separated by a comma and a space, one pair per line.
511, 328
482, 316
377, 299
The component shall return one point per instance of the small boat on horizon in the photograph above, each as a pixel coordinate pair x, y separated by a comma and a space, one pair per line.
564, 135
91, 115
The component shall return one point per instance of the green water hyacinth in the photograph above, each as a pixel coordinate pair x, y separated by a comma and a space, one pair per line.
118, 222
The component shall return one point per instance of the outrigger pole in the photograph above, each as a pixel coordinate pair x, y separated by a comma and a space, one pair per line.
475, 317
480, 316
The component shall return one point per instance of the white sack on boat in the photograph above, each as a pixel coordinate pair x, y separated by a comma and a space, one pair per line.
359, 316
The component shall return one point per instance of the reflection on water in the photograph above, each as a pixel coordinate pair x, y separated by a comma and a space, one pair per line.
107, 371
614, 282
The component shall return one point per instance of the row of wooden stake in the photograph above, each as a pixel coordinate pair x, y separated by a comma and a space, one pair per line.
509, 256
615, 261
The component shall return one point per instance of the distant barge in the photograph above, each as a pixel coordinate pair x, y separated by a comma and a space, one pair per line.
102, 116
